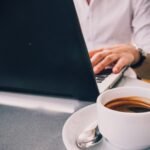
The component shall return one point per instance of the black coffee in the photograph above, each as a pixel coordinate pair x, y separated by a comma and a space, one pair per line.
130, 104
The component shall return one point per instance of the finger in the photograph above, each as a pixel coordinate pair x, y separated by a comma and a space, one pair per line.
92, 52
99, 56
122, 62
108, 60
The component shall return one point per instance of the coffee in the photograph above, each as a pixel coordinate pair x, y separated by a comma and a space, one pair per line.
130, 104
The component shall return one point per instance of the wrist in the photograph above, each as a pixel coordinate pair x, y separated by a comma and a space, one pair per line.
140, 56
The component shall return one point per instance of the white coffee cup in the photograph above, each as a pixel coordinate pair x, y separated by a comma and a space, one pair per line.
125, 130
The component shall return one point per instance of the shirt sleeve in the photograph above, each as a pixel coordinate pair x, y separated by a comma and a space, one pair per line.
141, 24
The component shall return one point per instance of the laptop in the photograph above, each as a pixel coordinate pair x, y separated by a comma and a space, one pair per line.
42, 51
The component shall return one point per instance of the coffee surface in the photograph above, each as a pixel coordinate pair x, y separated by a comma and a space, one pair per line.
130, 104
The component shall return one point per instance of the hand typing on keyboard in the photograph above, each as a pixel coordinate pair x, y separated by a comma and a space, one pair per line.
121, 55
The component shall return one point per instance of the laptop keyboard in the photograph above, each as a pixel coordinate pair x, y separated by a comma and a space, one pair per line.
107, 79
102, 75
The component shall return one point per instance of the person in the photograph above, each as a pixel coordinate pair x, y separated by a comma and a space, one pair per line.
114, 31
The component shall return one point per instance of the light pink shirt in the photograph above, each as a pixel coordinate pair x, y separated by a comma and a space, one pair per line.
110, 22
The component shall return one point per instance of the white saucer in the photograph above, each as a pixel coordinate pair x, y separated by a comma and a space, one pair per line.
77, 123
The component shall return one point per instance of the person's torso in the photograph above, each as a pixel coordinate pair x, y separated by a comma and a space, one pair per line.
105, 22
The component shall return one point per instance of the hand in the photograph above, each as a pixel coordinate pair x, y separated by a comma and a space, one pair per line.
119, 55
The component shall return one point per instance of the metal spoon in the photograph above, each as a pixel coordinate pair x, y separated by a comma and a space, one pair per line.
89, 137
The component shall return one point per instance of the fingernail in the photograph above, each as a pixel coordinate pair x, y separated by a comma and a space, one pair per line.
95, 70
115, 70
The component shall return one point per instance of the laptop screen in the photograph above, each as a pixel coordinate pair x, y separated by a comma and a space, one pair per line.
43, 50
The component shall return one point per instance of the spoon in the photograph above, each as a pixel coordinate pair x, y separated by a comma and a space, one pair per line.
89, 137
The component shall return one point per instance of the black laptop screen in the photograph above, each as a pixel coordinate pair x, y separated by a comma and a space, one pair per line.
43, 51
